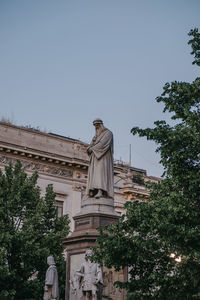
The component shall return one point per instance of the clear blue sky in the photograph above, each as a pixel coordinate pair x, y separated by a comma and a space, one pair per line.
65, 62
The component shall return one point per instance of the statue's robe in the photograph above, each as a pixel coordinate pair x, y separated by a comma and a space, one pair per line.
100, 173
51, 281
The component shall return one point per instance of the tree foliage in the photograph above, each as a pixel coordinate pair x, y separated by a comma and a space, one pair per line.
194, 42
29, 232
154, 235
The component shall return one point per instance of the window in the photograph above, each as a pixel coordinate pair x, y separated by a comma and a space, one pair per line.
59, 208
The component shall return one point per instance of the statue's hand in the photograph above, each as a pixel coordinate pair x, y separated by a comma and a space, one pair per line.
95, 281
45, 288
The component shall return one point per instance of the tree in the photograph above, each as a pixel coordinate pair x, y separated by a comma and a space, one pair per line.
29, 232
159, 240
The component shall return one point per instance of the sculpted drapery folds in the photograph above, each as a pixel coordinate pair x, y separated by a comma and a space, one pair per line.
100, 173
90, 277
51, 291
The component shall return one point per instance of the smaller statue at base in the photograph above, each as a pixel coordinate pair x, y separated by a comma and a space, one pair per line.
90, 279
51, 291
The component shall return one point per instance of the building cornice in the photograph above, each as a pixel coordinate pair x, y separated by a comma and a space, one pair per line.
48, 157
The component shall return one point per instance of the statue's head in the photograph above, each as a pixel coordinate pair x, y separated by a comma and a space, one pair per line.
88, 253
98, 124
50, 260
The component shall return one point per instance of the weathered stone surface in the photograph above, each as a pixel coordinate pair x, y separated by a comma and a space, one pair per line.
100, 173
43, 142
87, 280
100, 205
51, 289
39, 167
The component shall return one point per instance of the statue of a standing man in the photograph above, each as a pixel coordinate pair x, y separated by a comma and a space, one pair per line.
51, 291
90, 278
100, 173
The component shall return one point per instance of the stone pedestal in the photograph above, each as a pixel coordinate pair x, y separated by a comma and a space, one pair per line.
94, 213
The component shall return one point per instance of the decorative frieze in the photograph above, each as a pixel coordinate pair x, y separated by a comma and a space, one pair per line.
79, 147
80, 164
79, 188
39, 167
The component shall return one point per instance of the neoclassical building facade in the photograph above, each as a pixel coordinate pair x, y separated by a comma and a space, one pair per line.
63, 162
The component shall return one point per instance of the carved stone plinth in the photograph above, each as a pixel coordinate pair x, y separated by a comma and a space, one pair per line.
94, 213
99, 205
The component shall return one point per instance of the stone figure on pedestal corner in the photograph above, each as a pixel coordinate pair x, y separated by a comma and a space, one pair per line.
51, 290
100, 172
90, 278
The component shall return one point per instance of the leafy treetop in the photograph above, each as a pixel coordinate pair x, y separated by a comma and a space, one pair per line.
156, 235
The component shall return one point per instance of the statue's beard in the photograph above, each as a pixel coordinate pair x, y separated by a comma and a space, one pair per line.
99, 130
